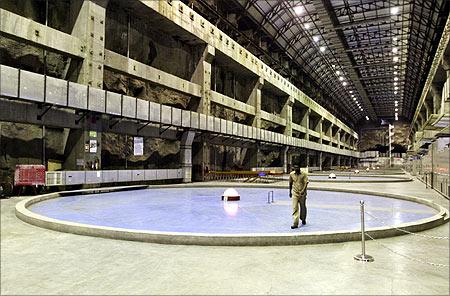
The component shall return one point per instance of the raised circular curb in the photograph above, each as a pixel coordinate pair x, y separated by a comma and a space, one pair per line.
354, 179
185, 238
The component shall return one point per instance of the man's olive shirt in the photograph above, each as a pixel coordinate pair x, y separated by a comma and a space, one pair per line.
299, 182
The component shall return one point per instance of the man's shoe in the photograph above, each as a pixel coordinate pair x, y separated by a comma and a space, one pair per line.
303, 222
294, 226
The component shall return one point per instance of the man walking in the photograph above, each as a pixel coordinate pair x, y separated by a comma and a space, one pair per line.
298, 181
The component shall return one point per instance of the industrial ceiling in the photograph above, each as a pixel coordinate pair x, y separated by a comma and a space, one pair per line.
361, 59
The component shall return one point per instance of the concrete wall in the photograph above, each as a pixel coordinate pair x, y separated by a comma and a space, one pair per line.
433, 167
137, 48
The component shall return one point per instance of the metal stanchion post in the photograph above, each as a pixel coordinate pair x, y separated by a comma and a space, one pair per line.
363, 256
269, 194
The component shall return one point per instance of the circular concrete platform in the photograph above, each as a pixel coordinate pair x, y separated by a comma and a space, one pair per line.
197, 215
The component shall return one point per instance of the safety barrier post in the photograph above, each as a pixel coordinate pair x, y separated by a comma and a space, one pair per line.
363, 256
270, 193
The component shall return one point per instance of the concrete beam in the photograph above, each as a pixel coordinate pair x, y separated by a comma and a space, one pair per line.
231, 103
136, 69
298, 127
36, 34
273, 118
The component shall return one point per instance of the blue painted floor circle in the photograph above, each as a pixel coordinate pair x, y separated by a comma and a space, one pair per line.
201, 210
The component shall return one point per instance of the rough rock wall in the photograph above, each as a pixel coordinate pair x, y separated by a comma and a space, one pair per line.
58, 11
30, 58
228, 114
271, 103
269, 158
147, 44
401, 134
225, 81
224, 158
22, 144
297, 114
144, 90
268, 125
377, 138
158, 153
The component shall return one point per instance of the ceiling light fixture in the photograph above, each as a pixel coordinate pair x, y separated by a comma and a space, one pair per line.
395, 78
395, 92
316, 38
394, 50
367, 117
338, 72
395, 59
395, 73
307, 26
341, 78
394, 10
396, 87
299, 9
344, 83
351, 91
322, 48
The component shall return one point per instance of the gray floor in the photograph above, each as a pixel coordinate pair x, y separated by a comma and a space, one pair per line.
39, 261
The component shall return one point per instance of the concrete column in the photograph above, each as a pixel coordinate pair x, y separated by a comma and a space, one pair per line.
255, 100
186, 155
345, 138
414, 168
329, 132
320, 160
320, 130
83, 148
200, 160
250, 157
287, 114
90, 28
422, 119
307, 158
338, 163
286, 163
428, 109
338, 138
305, 123
446, 65
445, 100
202, 76
436, 93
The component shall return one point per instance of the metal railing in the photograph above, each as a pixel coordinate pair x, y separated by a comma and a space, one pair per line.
244, 176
